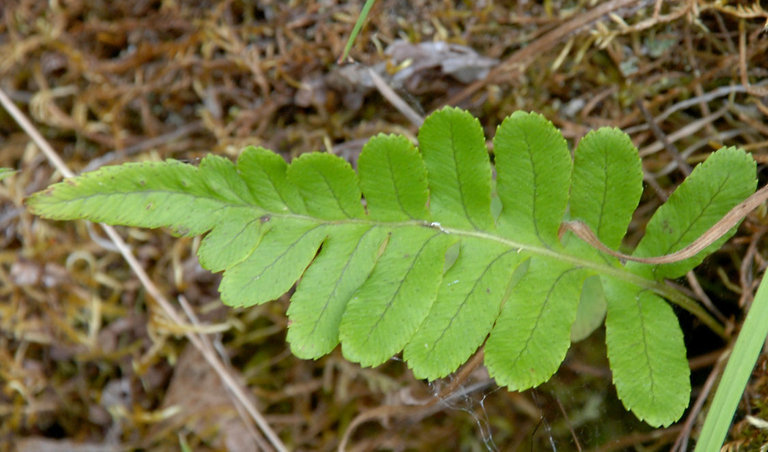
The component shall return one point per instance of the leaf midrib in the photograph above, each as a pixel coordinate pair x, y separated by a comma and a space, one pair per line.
330, 297
694, 222
70, 200
643, 330
394, 296
463, 303
616, 272
462, 192
604, 269
535, 327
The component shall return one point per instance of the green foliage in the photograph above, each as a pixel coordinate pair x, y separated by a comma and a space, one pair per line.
356, 29
693, 207
438, 259
744, 356
5, 172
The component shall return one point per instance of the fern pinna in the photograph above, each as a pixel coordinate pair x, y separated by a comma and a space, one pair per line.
423, 252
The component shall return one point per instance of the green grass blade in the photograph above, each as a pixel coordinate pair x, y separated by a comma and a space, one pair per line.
358, 26
740, 364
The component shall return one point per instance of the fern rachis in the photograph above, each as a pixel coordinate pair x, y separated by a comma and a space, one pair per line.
434, 262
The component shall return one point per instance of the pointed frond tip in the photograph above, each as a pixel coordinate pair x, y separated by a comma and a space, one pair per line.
420, 251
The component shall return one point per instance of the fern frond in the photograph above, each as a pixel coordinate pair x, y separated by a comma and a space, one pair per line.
433, 263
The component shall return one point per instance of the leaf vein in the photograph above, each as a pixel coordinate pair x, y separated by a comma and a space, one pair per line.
534, 192
540, 314
280, 256
338, 281
645, 346
399, 287
462, 194
279, 192
334, 194
464, 302
604, 199
394, 186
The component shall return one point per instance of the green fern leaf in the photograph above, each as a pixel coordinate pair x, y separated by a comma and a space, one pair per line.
316, 309
328, 186
413, 254
453, 146
710, 191
607, 184
169, 194
393, 179
274, 265
264, 173
605, 190
466, 307
532, 334
647, 354
591, 311
384, 312
533, 168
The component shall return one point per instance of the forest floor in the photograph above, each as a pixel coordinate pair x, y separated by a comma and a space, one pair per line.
90, 362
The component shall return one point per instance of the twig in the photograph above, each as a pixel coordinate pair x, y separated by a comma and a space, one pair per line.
684, 132
570, 427
681, 443
650, 179
637, 438
390, 95
755, 91
206, 342
386, 411
703, 298
720, 137
516, 63
662, 137
702, 99
659, 19
735, 215
745, 270
229, 381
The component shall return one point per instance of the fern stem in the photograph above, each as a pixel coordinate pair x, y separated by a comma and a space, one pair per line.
659, 288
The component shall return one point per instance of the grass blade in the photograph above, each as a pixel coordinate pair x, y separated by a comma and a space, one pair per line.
737, 371
358, 26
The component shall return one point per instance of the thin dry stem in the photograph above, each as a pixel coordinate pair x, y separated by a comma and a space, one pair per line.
225, 374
